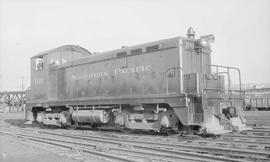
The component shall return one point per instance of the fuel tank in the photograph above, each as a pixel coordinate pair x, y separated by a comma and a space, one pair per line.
90, 116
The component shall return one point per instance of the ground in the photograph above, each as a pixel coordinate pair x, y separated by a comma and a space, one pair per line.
14, 151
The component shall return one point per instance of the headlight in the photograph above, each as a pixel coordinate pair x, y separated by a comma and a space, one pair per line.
206, 40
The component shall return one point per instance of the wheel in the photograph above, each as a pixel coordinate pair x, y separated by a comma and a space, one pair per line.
65, 118
171, 132
94, 126
126, 130
75, 125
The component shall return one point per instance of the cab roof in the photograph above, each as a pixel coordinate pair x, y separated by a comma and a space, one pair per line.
64, 48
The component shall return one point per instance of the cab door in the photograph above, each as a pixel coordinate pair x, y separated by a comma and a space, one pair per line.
39, 76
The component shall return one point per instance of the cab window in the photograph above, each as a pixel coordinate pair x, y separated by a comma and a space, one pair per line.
39, 64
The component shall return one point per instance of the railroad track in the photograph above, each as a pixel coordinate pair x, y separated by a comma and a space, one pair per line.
103, 149
261, 129
258, 132
156, 148
251, 145
63, 146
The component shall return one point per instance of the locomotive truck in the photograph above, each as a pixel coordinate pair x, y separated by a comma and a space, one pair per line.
165, 85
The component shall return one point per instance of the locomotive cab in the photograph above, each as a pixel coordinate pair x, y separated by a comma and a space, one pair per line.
44, 77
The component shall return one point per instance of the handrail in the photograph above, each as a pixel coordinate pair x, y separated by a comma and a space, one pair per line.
240, 92
228, 68
219, 89
227, 71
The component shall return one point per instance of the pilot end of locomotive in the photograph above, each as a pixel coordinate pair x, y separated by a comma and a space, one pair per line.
222, 105
221, 123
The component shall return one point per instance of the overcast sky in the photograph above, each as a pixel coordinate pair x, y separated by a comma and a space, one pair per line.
27, 27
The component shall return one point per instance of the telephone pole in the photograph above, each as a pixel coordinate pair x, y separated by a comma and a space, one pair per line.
0, 75
22, 84
0, 81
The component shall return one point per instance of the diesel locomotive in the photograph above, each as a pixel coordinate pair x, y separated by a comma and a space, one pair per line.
165, 85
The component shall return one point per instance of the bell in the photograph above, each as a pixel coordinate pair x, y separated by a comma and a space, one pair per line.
190, 33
